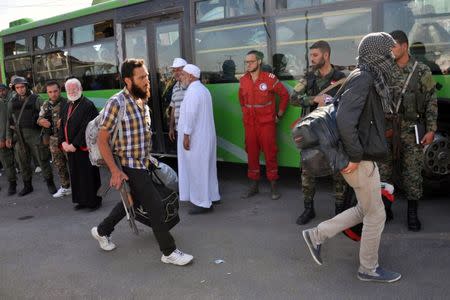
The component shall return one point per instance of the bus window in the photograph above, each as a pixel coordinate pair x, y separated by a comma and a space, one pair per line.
50, 66
136, 43
20, 67
228, 43
342, 29
219, 9
95, 66
49, 41
92, 32
15, 47
428, 29
283, 4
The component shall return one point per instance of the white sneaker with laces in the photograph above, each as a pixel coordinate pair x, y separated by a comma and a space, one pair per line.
104, 241
62, 192
177, 258
38, 170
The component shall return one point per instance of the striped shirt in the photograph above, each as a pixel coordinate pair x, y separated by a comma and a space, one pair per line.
135, 145
177, 97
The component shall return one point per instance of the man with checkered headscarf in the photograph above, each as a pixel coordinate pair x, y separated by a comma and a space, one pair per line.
362, 105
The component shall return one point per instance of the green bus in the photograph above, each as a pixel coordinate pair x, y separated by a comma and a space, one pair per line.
215, 35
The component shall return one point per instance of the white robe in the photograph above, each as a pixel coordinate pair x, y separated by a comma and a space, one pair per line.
197, 169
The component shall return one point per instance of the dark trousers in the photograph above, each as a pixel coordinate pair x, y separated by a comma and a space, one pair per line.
143, 192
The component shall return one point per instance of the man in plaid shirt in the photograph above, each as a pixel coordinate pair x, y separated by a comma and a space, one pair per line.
133, 150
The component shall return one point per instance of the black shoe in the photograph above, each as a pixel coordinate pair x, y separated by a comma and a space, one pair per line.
252, 190
197, 210
95, 207
78, 207
51, 186
413, 219
12, 188
218, 202
27, 188
307, 215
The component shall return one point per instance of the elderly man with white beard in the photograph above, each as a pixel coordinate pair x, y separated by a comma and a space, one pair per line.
197, 145
75, 115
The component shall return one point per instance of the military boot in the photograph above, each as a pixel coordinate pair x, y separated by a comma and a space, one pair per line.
307, 215
413, 220
51, 186
12, 188
252, 190
274, 194
27, 188
338, 207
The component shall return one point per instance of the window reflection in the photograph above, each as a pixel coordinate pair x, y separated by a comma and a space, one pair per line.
92, 32
15, 47
428, 28
49, 40
96, 65
220, 50
341, 29
136, 43
19, 67
219, 9
51, 66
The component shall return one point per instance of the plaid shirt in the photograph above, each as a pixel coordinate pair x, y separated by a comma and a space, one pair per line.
135, 145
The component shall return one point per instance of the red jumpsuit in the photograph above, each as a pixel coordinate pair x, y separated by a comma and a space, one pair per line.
259, 112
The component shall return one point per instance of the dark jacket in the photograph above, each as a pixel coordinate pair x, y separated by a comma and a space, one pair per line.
360, 119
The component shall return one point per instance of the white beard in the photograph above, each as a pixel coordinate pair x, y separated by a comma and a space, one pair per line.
73, 99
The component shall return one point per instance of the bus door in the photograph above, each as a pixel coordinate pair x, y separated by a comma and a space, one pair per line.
158, 42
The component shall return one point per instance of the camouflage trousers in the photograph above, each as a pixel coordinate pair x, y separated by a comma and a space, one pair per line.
7, 159
411, 165
60, 162
308, 184
33, 148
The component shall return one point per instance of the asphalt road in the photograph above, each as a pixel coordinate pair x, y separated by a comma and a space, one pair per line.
46, 251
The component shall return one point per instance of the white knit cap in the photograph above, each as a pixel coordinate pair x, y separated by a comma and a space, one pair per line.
193, 70
178, 63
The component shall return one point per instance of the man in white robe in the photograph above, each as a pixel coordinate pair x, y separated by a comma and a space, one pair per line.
197, 145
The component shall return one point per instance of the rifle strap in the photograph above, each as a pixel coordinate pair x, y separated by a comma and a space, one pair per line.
21, 111
332, 86
405, 86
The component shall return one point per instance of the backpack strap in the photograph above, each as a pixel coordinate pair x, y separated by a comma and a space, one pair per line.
118, 129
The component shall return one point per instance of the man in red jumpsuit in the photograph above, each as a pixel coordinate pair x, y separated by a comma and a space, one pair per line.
257, 91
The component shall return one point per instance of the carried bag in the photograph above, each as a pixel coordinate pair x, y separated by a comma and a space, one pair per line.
170, 203
91, 135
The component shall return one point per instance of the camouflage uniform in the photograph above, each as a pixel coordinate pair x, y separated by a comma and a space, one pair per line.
6, 154
419, 105
33, 145
50, 110
304, 97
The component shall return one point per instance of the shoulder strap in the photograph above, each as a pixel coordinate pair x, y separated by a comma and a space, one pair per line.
21, 110
332, 86
405, 86
118, 128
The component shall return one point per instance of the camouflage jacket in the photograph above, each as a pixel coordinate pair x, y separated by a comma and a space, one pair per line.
419, 101
52, 109
3, 118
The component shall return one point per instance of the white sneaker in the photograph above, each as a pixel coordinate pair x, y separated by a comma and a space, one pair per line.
38, 170
177, 258
62, 192
104, 241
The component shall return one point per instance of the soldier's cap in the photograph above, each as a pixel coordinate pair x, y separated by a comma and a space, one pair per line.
3, 86
178, 63
193, 70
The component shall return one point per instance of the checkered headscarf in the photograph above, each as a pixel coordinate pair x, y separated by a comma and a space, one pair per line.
375, 56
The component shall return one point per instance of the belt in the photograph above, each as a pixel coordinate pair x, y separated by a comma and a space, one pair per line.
258, 105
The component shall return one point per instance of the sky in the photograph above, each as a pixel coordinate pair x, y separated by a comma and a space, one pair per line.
11, 10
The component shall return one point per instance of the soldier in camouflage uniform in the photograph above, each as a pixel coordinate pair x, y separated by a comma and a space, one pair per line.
305, 94
418, 107
24, 135
6, 155
49, 119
